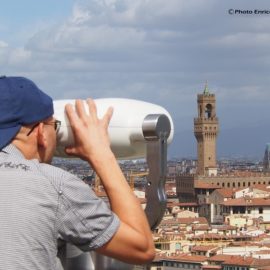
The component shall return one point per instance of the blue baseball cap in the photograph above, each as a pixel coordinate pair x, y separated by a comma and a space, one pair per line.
21, 103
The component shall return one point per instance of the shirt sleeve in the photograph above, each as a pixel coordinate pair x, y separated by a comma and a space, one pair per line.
84, 219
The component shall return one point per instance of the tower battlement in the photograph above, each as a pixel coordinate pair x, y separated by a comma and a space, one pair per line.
209, 96
205, 120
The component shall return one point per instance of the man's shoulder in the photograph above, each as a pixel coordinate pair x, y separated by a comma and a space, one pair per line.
53, 171
13, 158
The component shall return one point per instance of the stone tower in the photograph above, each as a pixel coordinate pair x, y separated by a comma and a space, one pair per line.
266, 159
206, 130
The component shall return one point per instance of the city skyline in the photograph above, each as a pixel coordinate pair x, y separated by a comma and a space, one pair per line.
148, 50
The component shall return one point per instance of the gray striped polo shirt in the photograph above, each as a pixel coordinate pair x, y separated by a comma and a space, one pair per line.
40, 204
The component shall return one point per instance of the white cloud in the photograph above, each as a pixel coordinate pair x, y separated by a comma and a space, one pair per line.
3, 44
19, 56
243, 39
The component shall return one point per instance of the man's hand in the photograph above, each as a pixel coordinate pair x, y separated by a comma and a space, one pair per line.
133, 240
90, 133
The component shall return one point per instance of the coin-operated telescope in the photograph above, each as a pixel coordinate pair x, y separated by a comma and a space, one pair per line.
137, 130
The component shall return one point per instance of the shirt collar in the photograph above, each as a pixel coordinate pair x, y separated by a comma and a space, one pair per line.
13, 150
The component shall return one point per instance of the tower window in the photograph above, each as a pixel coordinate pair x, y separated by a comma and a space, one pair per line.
208, 111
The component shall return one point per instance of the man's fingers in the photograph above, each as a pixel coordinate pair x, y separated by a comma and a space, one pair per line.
107, 117
92, 108
80, 108
72, 116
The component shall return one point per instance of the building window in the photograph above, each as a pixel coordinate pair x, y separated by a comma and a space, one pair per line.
260, 210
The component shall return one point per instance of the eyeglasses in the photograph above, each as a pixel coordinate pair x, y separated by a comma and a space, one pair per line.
56, 123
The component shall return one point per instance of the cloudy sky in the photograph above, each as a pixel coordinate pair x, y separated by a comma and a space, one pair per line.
153, 50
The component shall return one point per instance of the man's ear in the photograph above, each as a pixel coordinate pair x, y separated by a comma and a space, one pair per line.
41, 137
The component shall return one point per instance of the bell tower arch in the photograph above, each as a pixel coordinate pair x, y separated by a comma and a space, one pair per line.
206, 128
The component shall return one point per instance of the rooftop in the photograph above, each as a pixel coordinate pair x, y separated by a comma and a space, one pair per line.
246, 202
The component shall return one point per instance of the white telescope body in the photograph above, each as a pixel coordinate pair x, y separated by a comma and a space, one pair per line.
125, 128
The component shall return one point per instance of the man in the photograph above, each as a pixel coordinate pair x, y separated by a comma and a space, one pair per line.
40, 204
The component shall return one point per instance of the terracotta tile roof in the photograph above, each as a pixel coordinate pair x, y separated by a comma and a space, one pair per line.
201, 184
219, 258
210, 236
224, 227
169, 222
242, 236
199, 220
246, 202
181, 258
198, 227
185, 221
239, 260
188, 258
204, 248
226, 192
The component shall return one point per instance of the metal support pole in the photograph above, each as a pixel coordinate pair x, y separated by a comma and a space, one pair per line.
156, 130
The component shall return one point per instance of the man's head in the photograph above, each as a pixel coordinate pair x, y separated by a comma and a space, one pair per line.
23, 106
